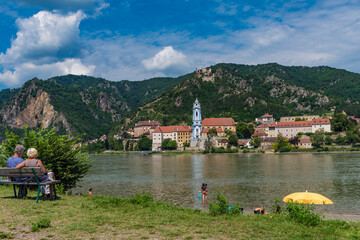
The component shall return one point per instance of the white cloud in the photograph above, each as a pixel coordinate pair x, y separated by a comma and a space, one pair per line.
168, 61
45, 36
46, 44
30, 70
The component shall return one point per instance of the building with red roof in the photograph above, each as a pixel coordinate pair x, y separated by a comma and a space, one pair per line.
265, 119
180, 134
305, 142
145, 128
291, 129
204, 132
223, 123
259, 133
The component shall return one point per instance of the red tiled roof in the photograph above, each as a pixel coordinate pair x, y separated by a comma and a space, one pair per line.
206, 130
218, 122
267, 116
259, 133
170, 129
304, 140
321, 121
243, 142
147, 123
262, 126
224, 141
273, 124
294, 124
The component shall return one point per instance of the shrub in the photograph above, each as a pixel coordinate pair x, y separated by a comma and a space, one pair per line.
303, 213
277, 207
57, 152
219, 205
237, 209
144, 199
42, 223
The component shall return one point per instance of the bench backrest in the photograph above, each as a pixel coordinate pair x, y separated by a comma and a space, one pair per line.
22, 172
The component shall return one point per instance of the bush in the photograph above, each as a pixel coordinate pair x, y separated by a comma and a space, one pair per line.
303, 213
57, 152
277, 207
144, 199
42, 223
219, 205
237, 209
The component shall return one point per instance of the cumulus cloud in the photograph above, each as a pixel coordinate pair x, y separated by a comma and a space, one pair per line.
30, 70
46, 44
46, 36
168, 61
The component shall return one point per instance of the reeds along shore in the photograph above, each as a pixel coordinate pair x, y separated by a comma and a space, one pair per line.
104, 217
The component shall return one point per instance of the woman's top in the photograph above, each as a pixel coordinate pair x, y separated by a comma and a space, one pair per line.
31, 163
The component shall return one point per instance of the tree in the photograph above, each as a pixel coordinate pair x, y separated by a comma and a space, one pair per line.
233, 139
244, 130
172, 145
318, 138
281, 144
144, 143
165, 142
352, 136
294, 140
340, 123
255, 142
212, 132
169, 144
328, 140
340, 140
57, 152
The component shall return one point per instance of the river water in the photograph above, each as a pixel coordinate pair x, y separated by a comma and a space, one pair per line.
251, 179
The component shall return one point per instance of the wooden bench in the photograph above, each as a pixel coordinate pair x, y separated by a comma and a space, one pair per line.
34, 172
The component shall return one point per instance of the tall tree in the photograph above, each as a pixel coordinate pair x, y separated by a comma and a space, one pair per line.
318, 138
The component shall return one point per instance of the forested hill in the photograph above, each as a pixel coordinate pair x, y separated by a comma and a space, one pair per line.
82, 104
245, 92
77, 104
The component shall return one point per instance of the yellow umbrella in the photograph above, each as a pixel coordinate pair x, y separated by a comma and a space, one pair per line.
307, 197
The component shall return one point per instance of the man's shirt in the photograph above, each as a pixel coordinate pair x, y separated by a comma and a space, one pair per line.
12, 163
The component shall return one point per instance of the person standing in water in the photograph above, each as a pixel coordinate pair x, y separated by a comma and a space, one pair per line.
204, 190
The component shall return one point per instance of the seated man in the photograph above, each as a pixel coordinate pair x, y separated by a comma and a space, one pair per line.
12, 162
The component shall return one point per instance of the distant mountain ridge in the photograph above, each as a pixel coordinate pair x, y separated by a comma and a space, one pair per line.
77, 104
83, 104
247, 91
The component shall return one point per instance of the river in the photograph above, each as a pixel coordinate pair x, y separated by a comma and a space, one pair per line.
251, 179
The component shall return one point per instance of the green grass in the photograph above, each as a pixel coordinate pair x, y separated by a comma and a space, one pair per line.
102, 217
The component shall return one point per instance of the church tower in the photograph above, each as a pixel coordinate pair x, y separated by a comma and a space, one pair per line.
196, 131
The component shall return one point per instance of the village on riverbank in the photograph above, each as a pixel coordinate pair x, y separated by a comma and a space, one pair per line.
328, 132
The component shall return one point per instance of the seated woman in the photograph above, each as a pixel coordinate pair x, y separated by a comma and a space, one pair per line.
32, 153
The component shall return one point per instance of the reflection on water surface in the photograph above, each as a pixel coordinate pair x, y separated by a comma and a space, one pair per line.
252, 179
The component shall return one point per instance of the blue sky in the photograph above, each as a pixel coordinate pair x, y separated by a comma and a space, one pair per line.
136, 40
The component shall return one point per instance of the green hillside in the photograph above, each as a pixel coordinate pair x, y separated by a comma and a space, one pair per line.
245, 92
90, 105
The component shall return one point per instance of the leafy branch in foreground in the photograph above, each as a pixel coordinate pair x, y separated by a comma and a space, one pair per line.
58, 153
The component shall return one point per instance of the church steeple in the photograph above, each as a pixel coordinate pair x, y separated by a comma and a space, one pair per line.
196, 121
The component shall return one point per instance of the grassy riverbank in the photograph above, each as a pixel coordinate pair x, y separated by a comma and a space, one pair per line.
100, 217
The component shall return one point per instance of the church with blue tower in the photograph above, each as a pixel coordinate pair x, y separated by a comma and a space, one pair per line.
196, 140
